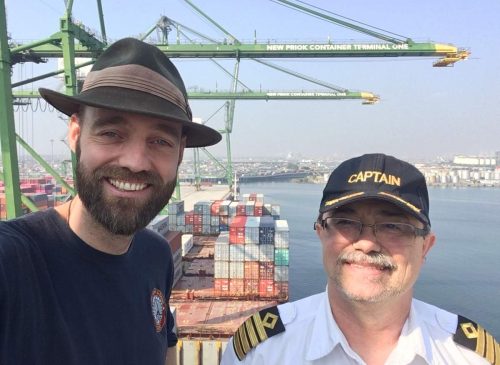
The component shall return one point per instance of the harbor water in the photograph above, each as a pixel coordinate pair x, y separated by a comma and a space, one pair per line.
461, 273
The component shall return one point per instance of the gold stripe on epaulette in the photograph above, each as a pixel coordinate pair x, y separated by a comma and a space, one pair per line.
244, 340
490, 348
256, 329
478, 339
260, 328
237, 346
251, 333
480, 345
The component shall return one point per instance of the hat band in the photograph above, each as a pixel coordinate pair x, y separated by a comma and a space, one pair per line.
136, 77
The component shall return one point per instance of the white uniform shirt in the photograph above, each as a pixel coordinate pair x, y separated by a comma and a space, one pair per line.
312, 337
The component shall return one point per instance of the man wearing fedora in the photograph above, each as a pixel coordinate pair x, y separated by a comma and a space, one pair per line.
86, 283
375, 233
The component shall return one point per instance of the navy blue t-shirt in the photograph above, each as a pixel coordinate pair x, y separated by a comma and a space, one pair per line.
63, 302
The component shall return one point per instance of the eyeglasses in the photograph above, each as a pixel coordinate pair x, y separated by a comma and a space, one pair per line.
395, 233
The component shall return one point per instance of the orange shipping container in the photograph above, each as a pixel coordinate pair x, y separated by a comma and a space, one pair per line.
251, 286
237, 286
251, 270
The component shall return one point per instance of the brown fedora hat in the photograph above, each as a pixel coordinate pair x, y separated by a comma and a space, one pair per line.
133, 76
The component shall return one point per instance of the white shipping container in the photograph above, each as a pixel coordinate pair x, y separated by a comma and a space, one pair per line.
252, 230
252, 252
177, 257
260, 198
214, 220
281, 234
246, 197
221, 269
266, 253
187, 243
250, 208
237, 253
232, 209
267, 209
252, 235
159, 224
281, 273
221, 251
223, 237
224, 207
275, 209
236, 270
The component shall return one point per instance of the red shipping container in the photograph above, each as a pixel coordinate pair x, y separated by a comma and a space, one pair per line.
214, 208
189, 217
197, 229
221, 287
197, 219
241, 209
237, 286
252, 197
266, 288
174, 239
266, 270
259, 206
252, 270
237, 230
251, 286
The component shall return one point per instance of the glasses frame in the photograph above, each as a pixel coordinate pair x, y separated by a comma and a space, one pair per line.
417, 232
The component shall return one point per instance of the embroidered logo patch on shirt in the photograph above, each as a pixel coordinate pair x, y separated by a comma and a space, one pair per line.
158, 309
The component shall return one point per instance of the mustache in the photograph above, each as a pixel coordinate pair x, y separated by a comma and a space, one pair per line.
377, 259
122, 173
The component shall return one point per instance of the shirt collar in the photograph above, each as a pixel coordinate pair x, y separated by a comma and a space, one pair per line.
326, 335
413, 341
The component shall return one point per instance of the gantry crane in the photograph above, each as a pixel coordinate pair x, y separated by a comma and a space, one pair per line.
62, 45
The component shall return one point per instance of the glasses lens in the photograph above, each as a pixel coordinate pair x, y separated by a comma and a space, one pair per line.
347, 228
397, 233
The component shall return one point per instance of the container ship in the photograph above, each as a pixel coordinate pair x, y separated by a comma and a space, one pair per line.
231, 259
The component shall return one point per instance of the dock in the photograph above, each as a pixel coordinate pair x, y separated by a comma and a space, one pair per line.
207, 192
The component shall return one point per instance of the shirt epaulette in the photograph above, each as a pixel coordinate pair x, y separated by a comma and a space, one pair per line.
471, 335
256, 329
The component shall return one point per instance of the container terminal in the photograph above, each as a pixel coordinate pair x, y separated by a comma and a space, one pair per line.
231, 256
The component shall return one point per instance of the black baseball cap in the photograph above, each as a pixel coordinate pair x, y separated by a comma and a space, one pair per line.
378, 176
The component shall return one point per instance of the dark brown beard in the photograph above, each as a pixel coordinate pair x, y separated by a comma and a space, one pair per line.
121, 216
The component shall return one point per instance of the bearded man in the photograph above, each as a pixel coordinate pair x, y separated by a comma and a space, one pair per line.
86, 283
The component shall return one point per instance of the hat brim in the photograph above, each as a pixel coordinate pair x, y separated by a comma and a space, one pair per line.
377, 196
132, 101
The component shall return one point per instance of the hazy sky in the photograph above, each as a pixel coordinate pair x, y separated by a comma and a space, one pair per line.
424, 111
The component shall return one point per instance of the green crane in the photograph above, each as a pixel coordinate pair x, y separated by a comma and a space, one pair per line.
75, 40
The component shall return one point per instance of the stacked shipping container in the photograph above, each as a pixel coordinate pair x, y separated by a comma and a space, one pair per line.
42, 191
252, 258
